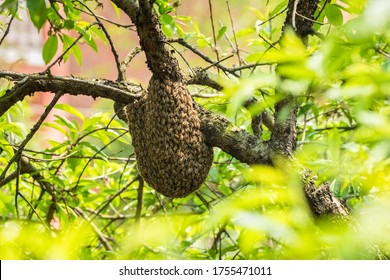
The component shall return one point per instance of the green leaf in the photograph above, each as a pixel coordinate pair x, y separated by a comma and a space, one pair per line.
167, 30
71, 110
68, 24
305, 108
77, 54
50, 48
55, 126
65, 122
38, 12
117, 10
75, 50
90, 41
74, 162
245, 31
334, 15
166, 19
10, 5
90, 145
15, 128
279, 7
221, 31
98, 32
202, 43
6, 147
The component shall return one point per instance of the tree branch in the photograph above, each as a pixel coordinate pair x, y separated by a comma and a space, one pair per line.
219, 131
7, 29
113, 50
237, 142
29, 84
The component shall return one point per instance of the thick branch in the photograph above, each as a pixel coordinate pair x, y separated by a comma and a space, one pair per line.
321, 199
284, 133
29, 84
201, 77
219, 131
237, 142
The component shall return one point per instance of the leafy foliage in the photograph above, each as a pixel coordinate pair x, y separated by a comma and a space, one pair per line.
85, 199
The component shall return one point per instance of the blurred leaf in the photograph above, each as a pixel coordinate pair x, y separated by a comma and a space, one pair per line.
71, 110
221, 32
245, 32
267, 175
38, 12
117, 10
334, 14
10, 5
203, 42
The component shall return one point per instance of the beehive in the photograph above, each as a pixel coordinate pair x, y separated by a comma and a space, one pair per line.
171, 153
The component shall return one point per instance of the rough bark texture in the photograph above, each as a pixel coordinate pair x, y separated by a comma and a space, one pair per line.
221, 133
284, 134
322, 201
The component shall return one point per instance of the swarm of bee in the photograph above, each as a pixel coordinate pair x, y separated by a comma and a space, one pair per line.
171, 153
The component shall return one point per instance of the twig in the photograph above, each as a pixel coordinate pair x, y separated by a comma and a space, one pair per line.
204, 201
309, 19
382, 52
104, 205
100, 235
234, 33
124, 93
217, 62
126, 26
272, 17
55, 10
17, 187
182, 57
93, 157
213, 29
305, 121
205, 95
322, 9
343, 128
60, 157
294, 13
124, 168
253, 65
35, 212
113, 50
30, 135
230, 70
140, 193
128, 58
7, 29
203, 56
111, 217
